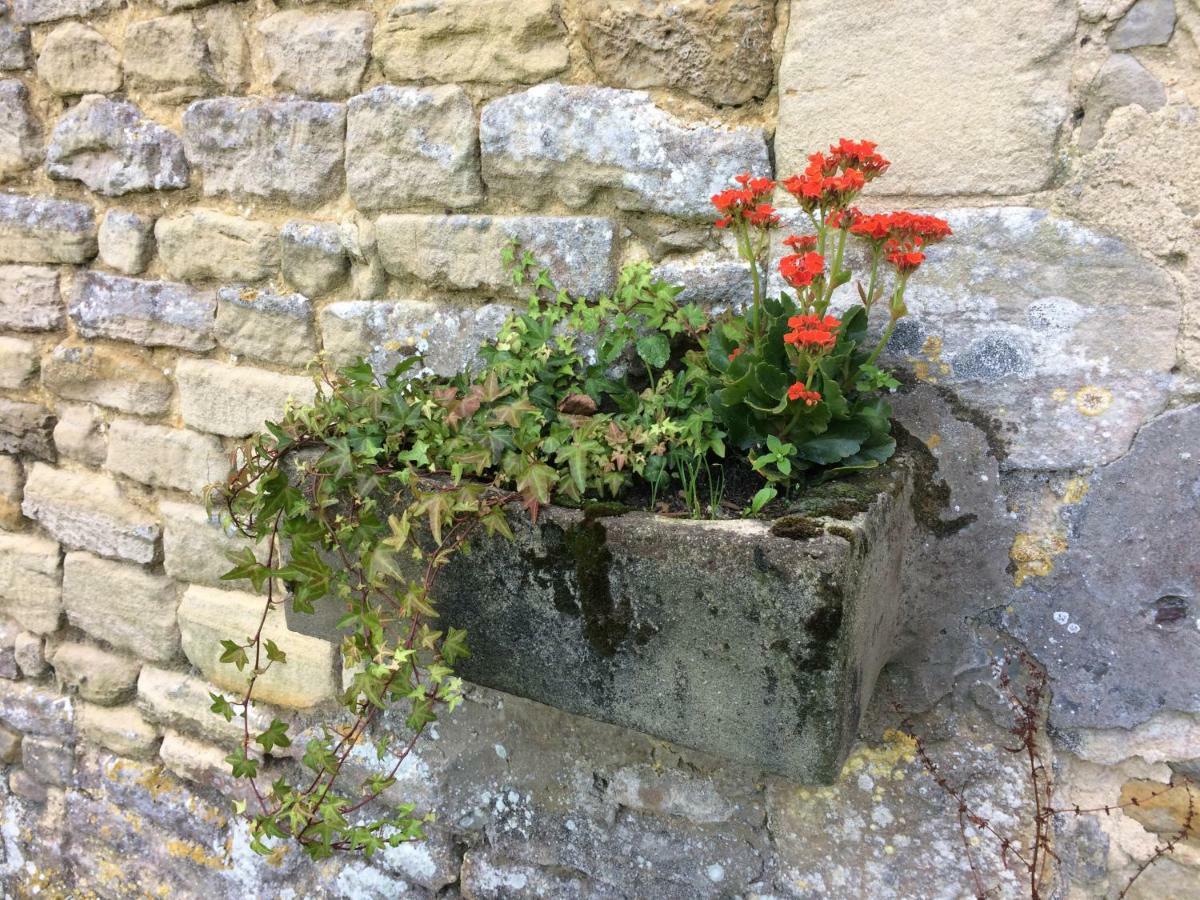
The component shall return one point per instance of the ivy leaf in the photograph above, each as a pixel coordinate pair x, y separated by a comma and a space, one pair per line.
221, 706
241, 765
274, 736
274, 654
235, 653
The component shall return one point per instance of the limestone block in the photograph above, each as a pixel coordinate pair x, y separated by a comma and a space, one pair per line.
204, 244
1121, 81
121, 730
960, 100
47, 760
235, 400
1148, 23
36, 710
168, 57
463, 252
313, 258
87, 511
491, 41
177, 701
151, 313
30, 299
123, 605
9, 632
30, 581
79, 435
44, 230
30, 652
21, 145
126, 241
14, 47
448, 337
263, 325
113, 149
95, 373
409, 146
10, 746
94, 674
226, 41
719, 52
76, 59
196, 547
18, 362
12, 482
269, 149
206, 616
26, 428
190, 759
710, 280
165, 457
29, 12
570, 143
316, 55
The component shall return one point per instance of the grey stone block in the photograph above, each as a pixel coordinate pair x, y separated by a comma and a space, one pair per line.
45, 230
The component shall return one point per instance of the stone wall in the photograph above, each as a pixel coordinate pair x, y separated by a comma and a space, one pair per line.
197, 197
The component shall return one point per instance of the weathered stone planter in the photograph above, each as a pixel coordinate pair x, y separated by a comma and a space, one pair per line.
758, 641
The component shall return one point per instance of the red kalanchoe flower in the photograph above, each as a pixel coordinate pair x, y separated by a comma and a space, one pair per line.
844, 218
811, 338
829, 323
757, 186
860, 155
746, 202
762, 216
799, 392
737, 351
801, 243
905, 257
799, 270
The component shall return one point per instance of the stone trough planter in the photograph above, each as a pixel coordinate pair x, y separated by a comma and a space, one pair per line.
757, 641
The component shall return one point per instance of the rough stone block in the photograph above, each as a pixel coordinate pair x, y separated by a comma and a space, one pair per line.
25, 786
94, 674
9, 632
227, 51
29, 12
30, 652
719, 52
10, 746
463, 252
407, 146
313, 257
87, 511
126, 241
165, 457
122, 379
1064, 335
712, 281
31, 581
36, 710
168, 57
30, 299
982, 101
192, 760
26, 428
76, 59
12, 482
492, 41
18, 362
570, 143
619, 619
447, 337
263, 325
1121, 81
123, 605
235, 400
113, 149
47, 760
43, 230
196, 547
204, 244
121, 730
152, 313
1148, 23
180, 702
316, 55
206, 616
20, 132
14, 47
79, 435
269, 149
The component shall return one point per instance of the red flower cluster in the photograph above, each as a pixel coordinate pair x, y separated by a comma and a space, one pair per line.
833, 179
799, 392
799, 269
812, 332
801, 243
747, 202
901, 236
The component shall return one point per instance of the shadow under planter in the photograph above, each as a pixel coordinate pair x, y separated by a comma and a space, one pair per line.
755, 640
